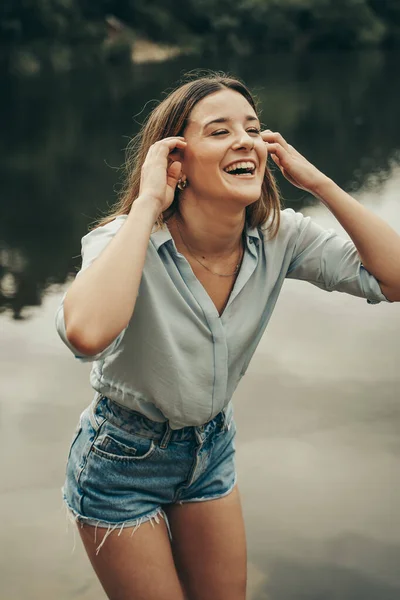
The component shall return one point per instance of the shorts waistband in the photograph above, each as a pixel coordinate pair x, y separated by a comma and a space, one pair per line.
103, 408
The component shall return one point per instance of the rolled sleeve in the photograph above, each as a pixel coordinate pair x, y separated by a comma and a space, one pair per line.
330, 262
60, 326
93, 245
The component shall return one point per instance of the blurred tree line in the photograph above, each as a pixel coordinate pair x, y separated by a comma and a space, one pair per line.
243, 27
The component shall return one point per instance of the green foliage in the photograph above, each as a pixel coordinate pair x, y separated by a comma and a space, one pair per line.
389, 12
350, 23
242, 27
28, 20
273, 24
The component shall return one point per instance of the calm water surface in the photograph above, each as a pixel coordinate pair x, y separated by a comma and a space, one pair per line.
318, 412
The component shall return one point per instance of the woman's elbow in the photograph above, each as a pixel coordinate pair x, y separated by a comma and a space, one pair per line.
392, 294
85, 344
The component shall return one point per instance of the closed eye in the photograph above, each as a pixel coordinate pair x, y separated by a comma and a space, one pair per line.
223, 131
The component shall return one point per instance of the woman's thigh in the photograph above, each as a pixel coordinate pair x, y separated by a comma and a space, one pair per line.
139, 566
209, 547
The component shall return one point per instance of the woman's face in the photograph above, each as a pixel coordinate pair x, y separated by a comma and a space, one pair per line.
223, 132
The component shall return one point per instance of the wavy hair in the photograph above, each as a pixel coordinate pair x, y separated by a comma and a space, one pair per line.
170, 118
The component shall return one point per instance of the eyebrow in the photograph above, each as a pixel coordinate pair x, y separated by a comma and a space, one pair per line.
226, 120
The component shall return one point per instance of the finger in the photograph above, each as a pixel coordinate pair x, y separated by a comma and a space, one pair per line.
173, 150
174, 173
170, 137
276, 149
171, 142
275, 159
167, 148
167, 145
274, 137
174, 155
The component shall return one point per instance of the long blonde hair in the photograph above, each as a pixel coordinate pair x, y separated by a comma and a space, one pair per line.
170, 118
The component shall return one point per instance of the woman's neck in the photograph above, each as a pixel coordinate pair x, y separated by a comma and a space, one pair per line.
209, 235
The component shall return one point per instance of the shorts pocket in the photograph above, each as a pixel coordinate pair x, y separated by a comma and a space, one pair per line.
138, 448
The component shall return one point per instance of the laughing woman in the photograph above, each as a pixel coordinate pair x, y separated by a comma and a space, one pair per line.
176, 288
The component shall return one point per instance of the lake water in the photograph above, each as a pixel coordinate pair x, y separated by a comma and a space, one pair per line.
318, 412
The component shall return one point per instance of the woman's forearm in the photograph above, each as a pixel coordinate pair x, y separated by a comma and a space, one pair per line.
100, 302
377, 243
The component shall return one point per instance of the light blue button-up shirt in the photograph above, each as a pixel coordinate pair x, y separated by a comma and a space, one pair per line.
178, 359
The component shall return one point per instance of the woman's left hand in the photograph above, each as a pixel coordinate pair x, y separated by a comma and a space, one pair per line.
293, 165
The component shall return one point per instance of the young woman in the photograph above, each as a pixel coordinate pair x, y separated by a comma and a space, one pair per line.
176, 288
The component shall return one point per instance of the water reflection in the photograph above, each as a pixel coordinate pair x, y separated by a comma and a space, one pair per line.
318, 412
317, 449
312, 581
318, 440
64, 135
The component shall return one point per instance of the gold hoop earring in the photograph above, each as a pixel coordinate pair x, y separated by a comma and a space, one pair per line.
182, 184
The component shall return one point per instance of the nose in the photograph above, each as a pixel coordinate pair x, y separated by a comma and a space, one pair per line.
243, 141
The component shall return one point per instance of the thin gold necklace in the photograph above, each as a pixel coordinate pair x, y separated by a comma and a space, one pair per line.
237, 267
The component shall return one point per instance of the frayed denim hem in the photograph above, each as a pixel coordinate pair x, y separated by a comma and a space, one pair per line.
205, 498
75, 518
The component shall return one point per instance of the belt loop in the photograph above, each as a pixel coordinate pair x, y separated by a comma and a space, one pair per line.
199, 434
166, 437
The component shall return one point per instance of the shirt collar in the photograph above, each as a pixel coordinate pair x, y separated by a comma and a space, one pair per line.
252, 232
163, 235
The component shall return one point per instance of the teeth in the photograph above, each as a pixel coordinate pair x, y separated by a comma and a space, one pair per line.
241, 165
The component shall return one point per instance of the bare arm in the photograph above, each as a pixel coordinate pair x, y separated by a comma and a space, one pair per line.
378, 245
100, 302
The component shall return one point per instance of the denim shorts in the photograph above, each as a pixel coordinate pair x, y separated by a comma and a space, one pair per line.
123, 468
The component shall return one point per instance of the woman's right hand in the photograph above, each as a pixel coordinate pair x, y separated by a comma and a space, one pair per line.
161, 171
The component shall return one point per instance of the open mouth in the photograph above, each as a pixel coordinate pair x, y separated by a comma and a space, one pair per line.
241, 169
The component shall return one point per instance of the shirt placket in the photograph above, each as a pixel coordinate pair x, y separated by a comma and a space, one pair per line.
215, 322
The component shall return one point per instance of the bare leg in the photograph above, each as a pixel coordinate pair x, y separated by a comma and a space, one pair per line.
137, 566
209, 547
